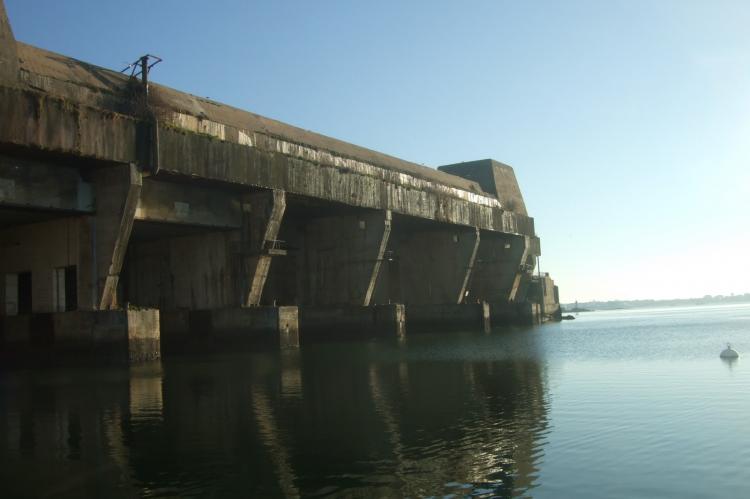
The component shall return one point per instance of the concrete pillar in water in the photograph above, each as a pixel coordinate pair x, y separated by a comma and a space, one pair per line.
263, 213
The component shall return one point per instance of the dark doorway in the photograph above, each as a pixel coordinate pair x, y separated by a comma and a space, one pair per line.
24, 293
71, 288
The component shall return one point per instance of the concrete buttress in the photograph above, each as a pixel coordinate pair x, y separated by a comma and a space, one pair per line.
385, 236
522, 270
118, 189
263, 213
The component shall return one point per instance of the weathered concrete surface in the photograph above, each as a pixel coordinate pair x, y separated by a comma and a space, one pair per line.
185, 153
525, 313
40, 185
543, 291
113, 335
498, 263
8, 50
435, 263
230, 328
40, 248
525, 267
349, 322
198, 271
72, 107
144, 335
118, 190
342, 258
263, 213
77, 81
442, 317
495, 178
39, 120
80, 198
186, 204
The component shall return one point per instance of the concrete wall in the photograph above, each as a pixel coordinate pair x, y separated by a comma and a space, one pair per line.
497, 264
341, 258
45, 185
208, 221
42, 247
198, 272
8, 54
188, 204
494, 177
43, 121
467, 317
198, 330
543, 292
120, 335
349, 322
433, 263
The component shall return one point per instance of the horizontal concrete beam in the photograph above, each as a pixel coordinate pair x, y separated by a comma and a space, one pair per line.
34, 119
38, 120
195, 155
188, 205
41, 186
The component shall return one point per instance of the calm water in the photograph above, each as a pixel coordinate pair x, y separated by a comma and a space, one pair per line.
614, 404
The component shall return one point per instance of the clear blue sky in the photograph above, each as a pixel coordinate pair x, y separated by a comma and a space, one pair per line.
627, 122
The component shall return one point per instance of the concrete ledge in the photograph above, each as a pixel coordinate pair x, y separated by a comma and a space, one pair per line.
229, 328
106, 336
465, 317
352, 321
514, 314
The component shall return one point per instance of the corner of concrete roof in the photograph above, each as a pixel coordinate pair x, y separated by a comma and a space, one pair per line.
496, 178
8, 49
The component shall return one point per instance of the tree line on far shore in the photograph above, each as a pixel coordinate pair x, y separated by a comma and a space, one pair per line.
590, 306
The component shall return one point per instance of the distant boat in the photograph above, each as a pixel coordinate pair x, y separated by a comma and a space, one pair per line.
729, 353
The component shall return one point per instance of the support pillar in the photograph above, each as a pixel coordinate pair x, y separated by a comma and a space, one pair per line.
384, 236
118, 189
470, 265
263, 213
522, 270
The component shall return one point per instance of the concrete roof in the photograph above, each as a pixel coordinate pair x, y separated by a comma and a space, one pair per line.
100, 87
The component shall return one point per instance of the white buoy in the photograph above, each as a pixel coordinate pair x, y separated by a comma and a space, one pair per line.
729, 353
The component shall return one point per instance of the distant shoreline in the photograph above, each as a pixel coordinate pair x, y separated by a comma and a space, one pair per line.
592, 306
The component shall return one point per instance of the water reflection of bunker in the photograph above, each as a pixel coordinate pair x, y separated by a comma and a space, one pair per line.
368, 419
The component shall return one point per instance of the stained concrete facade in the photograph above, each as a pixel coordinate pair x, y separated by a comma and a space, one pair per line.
115, 195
